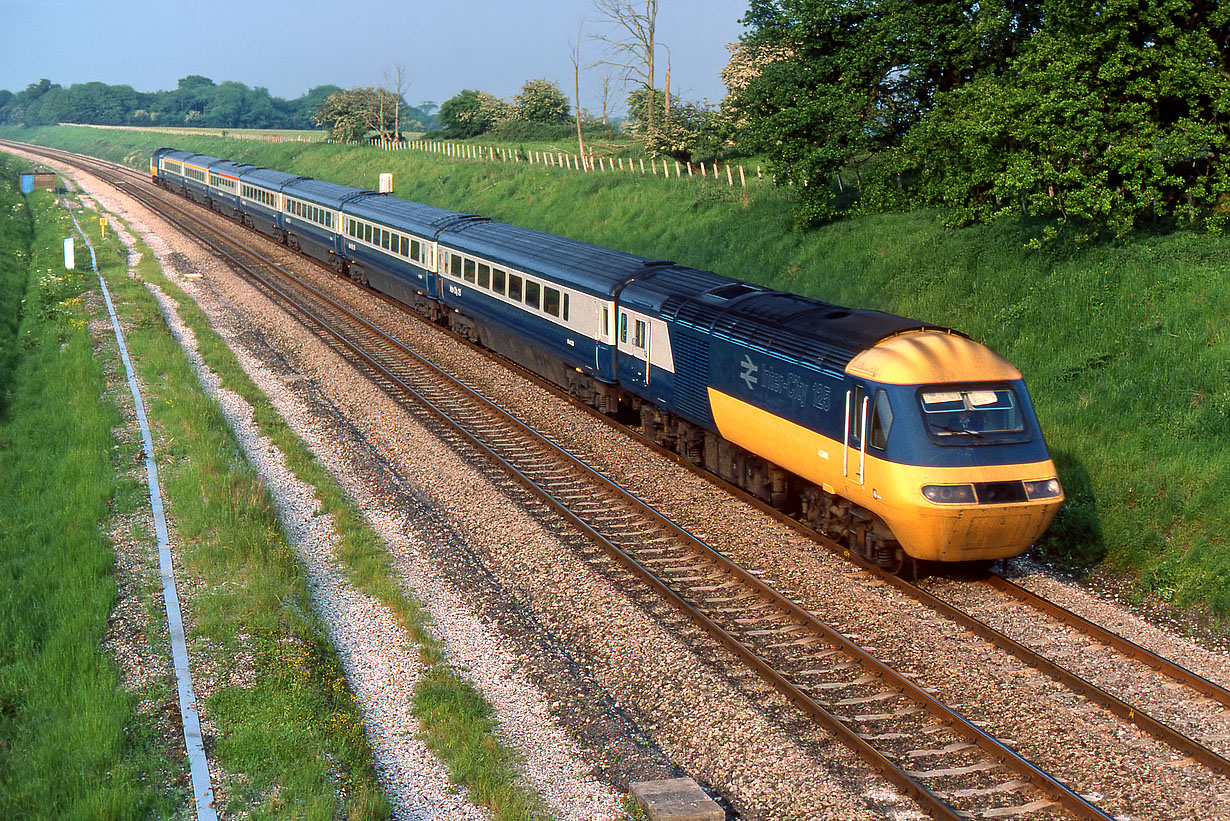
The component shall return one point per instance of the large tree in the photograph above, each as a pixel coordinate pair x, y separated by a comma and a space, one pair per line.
541, 101
632, 43
820, 86
352, 114
1098, 113
1114, 115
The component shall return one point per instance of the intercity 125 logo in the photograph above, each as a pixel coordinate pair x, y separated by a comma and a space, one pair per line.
749, 372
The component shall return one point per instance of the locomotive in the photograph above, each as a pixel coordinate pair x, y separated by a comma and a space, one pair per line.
901, 439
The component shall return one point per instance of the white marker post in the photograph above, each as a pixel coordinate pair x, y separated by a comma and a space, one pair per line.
70, 258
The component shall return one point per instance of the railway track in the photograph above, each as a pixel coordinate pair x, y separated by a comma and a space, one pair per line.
928, 750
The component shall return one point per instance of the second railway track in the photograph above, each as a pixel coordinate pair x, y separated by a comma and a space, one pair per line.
949, 765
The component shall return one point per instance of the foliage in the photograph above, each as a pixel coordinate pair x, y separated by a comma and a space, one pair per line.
471, 113
196, 100
351, 114
541, 101
1108, 120
688, 131
1095, 117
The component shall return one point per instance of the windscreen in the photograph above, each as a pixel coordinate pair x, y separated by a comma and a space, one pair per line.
971, 412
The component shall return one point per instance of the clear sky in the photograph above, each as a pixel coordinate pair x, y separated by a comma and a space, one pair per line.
289, 46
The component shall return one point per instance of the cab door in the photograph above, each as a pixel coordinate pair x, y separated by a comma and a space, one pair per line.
854, 449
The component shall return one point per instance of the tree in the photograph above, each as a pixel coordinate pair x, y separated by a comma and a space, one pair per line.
541, 101
632, 51
693, 133
575, 56
1113, 116
471, 113
394, 88
823, 86
351, 114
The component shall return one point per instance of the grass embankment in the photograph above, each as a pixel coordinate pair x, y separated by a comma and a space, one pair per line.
1124, 346
69, 746
76, 742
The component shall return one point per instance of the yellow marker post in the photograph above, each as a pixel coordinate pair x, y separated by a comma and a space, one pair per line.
102, 221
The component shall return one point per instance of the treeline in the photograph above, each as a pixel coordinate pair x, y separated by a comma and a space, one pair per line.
196, 101
1096, 116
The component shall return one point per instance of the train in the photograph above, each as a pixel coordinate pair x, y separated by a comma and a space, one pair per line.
903, 440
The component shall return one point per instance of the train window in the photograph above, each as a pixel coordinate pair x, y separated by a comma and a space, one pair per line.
550, 301
497, 280
606, 322
514, 287
454, 265
405, 246
623, 327
881, 421
484, 275
531, 293
468, 270
565, 307
414, 249
641, 336
971, 412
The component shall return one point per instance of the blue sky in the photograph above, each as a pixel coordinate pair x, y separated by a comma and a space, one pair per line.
289, 47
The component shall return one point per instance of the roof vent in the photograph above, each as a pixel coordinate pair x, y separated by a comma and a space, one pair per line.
733, 290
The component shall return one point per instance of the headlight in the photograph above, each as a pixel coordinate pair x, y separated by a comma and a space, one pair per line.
949, 494
1046, 489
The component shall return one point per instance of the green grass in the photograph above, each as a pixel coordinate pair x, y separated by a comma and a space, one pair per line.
1123, 346
292, 736
73, 741
69, 744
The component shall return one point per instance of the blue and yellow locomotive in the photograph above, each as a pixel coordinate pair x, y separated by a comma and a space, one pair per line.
899, 438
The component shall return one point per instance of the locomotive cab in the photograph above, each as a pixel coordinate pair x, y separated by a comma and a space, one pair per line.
942, 443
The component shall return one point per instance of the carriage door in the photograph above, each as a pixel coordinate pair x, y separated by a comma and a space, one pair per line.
854, 451
634, 344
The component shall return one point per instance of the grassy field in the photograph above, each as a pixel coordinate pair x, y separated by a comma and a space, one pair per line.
1124, 346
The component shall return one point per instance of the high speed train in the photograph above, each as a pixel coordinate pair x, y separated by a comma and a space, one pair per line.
900, 438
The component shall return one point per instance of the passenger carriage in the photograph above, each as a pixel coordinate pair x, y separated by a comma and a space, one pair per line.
260, 197
312, 218
390, 244
544, 301
224, 182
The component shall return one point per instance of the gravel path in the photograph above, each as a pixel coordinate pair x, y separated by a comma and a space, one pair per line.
577, 661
